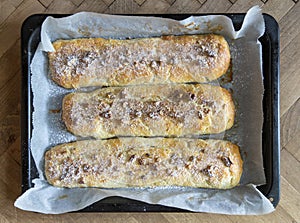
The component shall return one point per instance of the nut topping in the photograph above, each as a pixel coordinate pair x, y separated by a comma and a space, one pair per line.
207, 171
206, 110
191, 158
106, 114
111, 95
192, 96
227, 162
200, 115
154, 115
86, 168
131, 158
141, 161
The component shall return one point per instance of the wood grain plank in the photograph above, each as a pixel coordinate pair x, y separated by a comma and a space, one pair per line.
155, 6
70, 218
289, 26
46, 3
6, 8
290, 124
215, 6
289, 59
108, 2
14, 149
10, 174
139, 2
289, 80
202, 1
171, 2
244, 5
94, 218
184, 6
78, 2
9, 132
5, 193
8, 212
16, 3
293, 146
278, 8
297, 154
188, 217
123, 7
10, 29
278, 216
92, 6
290, 172
290, 199
57, 6
10, 96
9, 63
3, 219
149, 218
16, 215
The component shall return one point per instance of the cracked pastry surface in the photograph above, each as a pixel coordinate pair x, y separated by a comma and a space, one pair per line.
109, 62
142, 162
149, 110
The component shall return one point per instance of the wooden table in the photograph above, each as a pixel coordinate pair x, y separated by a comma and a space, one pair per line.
13, 13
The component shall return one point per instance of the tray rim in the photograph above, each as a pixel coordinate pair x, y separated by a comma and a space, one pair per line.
32, 24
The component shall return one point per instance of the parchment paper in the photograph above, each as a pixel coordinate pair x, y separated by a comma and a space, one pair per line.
247, 87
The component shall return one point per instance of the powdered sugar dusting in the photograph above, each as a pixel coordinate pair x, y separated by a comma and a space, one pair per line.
88, 62
141, 162
157, 110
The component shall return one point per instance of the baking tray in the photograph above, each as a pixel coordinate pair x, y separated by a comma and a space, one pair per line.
30, 37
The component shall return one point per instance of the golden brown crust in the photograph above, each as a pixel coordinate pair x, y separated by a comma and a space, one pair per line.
141, 162
150, 110
109, 62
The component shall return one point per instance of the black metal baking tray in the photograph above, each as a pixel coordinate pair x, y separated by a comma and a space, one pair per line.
30, 37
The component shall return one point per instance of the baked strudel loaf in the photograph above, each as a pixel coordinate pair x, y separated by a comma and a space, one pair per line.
144, 162
111, 62
149, 110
